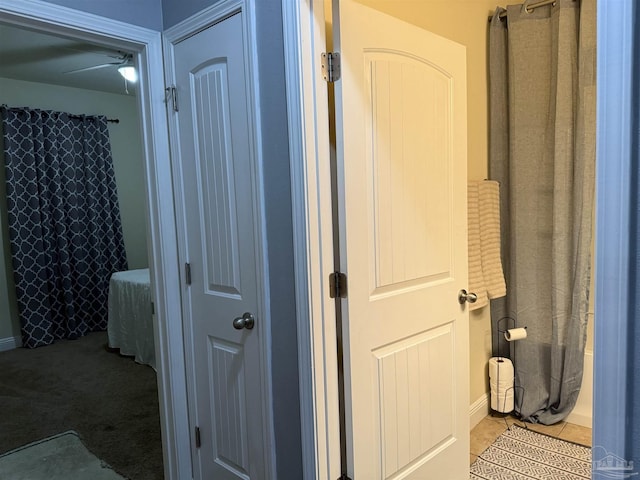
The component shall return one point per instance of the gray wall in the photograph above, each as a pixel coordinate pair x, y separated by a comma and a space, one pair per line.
126, 149
277, 189
144, 13
174, 11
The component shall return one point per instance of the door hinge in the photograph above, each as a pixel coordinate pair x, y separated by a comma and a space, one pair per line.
198, 440
153, 308
172, 96
338, 285
187, 273
331, 66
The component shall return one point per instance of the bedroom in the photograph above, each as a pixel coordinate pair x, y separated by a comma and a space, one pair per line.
97, 92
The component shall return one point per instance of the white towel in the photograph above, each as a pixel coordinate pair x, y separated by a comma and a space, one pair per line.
489, 206
486, 277
477, 284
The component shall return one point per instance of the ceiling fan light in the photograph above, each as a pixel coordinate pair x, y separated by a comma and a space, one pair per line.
129, 73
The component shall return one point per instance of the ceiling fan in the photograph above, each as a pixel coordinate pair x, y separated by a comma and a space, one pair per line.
122, 61
124, 64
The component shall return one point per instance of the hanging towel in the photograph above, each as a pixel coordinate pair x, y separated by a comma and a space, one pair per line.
477, 283
486, 278
489, 205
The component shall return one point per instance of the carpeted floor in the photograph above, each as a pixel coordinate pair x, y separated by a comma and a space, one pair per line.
520, 453
111, 401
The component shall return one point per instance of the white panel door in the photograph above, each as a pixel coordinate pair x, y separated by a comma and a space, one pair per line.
226, 387
401, 142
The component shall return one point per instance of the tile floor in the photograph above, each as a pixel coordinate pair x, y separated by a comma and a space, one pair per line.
489, 428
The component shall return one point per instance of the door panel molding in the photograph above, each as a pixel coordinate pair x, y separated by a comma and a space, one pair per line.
415, 420
403, 252
220, 241
229, 448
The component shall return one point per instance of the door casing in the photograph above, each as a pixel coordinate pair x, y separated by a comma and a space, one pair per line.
309, 152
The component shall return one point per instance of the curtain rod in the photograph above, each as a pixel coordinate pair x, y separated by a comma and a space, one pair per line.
70, 115
110, 120
531, 7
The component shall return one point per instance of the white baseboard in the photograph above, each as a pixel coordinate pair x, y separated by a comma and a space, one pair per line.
478, 410
10, 343
581, 419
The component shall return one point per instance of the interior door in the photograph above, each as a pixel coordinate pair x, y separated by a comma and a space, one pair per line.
401, 146
219, 207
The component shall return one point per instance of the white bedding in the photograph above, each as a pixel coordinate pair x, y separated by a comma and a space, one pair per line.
130, 325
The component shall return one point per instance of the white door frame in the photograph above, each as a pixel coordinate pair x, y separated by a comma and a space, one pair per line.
188, 27
615, 157
161, 226
308, 114
304, 41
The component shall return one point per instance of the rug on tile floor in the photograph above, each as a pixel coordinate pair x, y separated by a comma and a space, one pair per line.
520, 453
61, 457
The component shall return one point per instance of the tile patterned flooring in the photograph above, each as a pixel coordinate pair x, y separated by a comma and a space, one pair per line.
489, 428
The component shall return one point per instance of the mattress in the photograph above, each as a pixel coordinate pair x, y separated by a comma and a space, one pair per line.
130, 326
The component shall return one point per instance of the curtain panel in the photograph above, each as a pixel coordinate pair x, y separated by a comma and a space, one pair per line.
64, 221
542, 151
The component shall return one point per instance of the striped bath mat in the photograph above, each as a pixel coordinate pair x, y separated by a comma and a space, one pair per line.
524, 454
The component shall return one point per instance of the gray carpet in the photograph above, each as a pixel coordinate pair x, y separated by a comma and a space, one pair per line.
61, 457
109, 400
522, 454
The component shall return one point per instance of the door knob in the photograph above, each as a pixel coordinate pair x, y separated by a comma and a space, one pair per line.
463, 296
245, 321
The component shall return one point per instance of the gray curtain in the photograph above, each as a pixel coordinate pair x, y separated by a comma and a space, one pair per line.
542, 151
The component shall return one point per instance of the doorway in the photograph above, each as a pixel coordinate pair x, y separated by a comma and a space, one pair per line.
145, 46
62, 384
456, 20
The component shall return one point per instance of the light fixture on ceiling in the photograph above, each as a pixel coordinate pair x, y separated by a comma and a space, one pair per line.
124, 64
129, 73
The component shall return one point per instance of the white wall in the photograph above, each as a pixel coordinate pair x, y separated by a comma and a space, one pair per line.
127, 158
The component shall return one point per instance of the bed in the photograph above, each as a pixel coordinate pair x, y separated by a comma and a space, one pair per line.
130, 327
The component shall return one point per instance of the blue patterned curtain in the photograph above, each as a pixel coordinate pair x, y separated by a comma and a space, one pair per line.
64, 221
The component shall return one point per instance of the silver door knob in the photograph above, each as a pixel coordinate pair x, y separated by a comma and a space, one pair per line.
463, 296
245, 321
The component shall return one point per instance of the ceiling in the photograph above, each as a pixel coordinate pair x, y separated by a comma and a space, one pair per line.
44, 58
